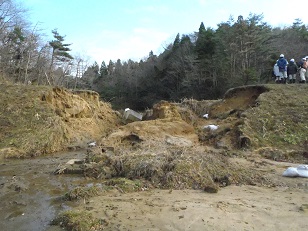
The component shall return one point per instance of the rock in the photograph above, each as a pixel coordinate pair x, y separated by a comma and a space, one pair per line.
75, 161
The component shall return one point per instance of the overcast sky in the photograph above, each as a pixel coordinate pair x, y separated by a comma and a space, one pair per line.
106, 30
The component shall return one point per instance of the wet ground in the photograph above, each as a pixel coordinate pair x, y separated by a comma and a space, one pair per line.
30, 194
30, 197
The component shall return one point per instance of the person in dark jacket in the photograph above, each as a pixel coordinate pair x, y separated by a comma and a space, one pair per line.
292, 71
282, 65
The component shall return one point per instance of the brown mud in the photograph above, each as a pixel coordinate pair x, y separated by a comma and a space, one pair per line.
30, 194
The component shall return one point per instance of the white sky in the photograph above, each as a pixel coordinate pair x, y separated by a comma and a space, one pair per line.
106, 30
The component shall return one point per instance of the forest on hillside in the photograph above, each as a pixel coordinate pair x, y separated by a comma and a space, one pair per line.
200, 65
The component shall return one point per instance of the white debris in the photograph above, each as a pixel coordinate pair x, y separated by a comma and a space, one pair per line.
131, 115
211, 127
301, 171
206, 116
92, 144
74, 161
290, 172
37, 116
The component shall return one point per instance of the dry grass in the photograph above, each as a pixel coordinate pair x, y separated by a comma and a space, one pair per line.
84, 193
26, 124
280, 121
78, 221
36, 120
167, 166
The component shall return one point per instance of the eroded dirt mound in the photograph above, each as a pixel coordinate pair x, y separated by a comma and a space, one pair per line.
38, 119
152, 130
70, 105
86, 117
165, 110
167, 125
237, 99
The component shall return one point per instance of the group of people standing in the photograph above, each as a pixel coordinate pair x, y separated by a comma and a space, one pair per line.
285, 72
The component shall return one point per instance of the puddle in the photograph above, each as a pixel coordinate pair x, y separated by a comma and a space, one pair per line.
30, 192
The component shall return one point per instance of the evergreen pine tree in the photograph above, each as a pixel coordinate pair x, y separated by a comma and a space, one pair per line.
176, 43
110, 67
205, 44
59, 53
60, 49
103, 70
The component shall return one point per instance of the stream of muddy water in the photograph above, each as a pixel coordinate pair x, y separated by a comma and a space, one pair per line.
30, 194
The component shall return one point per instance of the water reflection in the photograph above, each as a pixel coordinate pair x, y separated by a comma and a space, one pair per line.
31, 195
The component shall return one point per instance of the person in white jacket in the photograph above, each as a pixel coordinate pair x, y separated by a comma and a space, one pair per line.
276, 73
303, 70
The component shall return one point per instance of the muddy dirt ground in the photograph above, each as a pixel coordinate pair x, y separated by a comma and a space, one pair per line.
233, 208
30, 199
236, 207
30, 192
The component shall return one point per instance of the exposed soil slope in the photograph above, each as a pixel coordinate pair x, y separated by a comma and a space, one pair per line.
36, 120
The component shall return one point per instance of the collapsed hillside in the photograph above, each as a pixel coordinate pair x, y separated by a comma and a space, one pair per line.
170, 147
36, 120
173, 150
268, 119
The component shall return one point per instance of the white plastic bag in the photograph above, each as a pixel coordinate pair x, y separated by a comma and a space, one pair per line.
291, 172
211, 127
302, 170
206, 116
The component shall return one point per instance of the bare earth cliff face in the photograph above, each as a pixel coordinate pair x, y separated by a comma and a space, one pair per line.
40, 120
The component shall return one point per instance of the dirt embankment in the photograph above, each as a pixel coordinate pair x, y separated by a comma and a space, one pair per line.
36, 120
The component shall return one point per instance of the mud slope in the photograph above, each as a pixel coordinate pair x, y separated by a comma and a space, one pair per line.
38, 119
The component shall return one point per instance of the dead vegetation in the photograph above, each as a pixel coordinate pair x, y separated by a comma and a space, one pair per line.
73, 220
84, 193
166, 166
